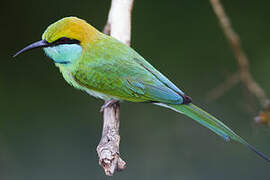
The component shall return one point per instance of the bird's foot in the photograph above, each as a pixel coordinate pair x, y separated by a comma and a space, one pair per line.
108, 103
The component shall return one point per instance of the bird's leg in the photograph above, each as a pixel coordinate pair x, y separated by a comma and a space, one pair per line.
108, 103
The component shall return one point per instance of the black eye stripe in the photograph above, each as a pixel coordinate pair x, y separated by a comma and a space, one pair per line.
65, 40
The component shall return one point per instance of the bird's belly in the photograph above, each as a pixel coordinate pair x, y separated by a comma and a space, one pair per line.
98, 94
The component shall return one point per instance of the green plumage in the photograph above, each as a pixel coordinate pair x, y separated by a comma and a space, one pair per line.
117, 71
208, 121
108, 69
112, 68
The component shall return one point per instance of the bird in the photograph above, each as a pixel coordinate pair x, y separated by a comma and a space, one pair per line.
110, 70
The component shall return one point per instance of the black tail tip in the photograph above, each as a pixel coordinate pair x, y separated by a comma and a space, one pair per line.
259, 153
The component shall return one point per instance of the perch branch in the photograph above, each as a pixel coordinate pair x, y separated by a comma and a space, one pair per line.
119, 20
118, 26
244, 74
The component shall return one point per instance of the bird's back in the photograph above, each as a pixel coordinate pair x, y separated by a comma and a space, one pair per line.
110, 67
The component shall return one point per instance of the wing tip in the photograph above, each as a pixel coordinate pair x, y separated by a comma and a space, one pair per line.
186, 99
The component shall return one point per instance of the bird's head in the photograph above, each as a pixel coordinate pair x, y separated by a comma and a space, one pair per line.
64, 40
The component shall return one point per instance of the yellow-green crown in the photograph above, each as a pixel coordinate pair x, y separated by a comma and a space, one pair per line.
70, 27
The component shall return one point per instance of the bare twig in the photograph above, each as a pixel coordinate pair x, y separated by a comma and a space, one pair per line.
119, 27
242, 60
224, 87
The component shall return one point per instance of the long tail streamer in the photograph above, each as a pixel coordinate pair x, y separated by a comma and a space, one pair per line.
212, 123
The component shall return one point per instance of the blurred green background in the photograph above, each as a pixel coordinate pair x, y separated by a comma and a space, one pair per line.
49, 130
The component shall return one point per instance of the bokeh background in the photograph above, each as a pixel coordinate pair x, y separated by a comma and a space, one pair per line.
49, 130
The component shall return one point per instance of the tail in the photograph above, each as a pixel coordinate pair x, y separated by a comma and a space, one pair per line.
212, 123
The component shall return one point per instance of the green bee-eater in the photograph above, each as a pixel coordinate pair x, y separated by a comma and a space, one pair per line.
108, 69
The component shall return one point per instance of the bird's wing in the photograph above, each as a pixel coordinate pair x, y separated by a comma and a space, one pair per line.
118, 71
155, 93
140, 60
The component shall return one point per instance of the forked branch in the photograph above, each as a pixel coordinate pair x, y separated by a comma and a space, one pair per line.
243, 75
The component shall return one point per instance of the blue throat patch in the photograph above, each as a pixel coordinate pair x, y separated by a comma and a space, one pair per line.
64, 53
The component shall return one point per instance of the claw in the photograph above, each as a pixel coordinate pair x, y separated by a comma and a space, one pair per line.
108, 103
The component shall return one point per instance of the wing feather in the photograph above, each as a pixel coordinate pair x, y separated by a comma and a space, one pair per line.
117, 70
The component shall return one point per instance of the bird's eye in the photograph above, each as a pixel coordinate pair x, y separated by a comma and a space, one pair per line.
63, 40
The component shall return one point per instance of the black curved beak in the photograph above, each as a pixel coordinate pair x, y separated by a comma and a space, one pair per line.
39, 44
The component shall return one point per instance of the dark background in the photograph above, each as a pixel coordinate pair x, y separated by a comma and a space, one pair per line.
49, 130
